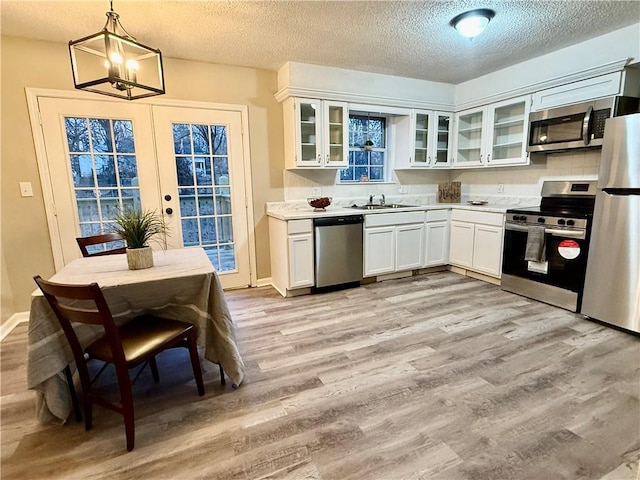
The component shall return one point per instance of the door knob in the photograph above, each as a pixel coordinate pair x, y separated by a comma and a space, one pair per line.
167, 197
169, 210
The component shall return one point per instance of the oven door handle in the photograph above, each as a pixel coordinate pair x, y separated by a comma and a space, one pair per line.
579, 234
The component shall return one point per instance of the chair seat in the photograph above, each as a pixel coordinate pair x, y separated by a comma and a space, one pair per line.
141, 336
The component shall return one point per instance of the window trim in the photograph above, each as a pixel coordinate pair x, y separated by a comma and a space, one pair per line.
388, 139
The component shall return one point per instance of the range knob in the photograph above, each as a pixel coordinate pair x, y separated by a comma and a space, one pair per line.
570, 223
523, 218
561, 221
516, 217
541, 220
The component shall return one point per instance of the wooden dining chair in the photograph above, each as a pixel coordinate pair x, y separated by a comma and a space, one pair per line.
128, 346
84, 242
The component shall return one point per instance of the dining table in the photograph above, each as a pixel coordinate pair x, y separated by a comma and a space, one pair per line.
181, 285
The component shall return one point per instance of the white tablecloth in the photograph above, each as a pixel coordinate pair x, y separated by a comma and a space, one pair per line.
181, 285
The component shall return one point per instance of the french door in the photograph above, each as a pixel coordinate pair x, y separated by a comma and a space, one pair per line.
186, 163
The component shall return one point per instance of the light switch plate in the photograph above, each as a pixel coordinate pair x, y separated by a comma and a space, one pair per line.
500, 188
404, 189
316, 191
25, 189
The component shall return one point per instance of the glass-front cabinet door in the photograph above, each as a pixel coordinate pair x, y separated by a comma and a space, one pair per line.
509, 126
421, 139
308, 115
469, 151
336, 140
439, 155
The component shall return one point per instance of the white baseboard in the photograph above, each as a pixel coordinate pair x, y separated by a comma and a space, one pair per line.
14, 320
263, 282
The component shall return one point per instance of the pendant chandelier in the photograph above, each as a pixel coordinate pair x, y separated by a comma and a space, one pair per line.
112, 62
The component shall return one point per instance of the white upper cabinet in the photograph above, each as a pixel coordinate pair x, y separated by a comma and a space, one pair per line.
316, 133
509, 123
428, 138
495, 134
581, 91
470, 138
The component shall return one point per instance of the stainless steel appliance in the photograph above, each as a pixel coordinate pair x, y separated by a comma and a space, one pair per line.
612, 287
575, 126
564, 217
338, 250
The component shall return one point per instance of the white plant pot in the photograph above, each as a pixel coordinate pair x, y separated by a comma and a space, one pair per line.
139, 258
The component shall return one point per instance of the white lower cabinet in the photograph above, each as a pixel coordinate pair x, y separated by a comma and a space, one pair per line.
393, 242
291, 254
300, 260
409, 246
436, 238
379, 250
476, 241
487, 249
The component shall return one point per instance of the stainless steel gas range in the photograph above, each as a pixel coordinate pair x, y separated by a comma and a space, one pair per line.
546, 247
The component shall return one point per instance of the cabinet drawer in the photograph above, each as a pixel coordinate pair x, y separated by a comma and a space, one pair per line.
437, 215
486, 218
299, 226
400, 218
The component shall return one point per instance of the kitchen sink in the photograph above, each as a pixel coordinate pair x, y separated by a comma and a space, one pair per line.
375, 206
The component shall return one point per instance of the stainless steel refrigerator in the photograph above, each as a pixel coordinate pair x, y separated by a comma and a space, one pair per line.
612, 285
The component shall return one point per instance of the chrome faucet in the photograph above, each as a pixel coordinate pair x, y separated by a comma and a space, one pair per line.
383, 201
371, 199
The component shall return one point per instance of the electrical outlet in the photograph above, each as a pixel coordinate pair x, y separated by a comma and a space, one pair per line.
404, 189
500, 188
316, 191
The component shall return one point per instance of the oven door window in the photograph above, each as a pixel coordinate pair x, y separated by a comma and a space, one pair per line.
556, 130
566, 259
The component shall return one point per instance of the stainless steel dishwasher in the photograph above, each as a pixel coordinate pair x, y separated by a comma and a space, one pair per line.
338, 250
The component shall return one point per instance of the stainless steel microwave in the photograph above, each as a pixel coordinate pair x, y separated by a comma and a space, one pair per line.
575, 126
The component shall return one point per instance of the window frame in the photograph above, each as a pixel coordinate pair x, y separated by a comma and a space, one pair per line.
386, 150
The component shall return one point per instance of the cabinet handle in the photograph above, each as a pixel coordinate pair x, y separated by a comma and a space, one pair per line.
410, 157
480, 157
319, 158
429, 161
327, 160
488, 157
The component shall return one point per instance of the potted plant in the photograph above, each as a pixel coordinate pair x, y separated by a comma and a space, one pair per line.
137, 228
368, 145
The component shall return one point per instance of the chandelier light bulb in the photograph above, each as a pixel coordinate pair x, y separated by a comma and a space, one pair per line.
115, 58
132, 65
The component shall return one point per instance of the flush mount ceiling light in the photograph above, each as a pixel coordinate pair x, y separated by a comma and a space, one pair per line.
471, 24
112, 62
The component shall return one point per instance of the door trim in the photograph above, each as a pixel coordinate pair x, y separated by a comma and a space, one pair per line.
42, 160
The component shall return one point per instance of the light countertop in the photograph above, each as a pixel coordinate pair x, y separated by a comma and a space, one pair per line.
303, 212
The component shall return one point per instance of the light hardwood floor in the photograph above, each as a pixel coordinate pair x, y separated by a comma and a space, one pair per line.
436, 376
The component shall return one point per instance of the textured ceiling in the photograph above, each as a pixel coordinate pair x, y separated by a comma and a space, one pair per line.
404, 38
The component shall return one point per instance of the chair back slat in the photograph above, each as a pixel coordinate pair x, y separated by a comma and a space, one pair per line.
81, 315
84, 242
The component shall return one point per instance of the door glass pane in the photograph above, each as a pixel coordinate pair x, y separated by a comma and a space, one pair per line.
442, 140
308, 140
103, 182
201, 161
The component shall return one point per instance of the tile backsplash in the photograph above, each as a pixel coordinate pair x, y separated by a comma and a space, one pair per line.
491, 184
